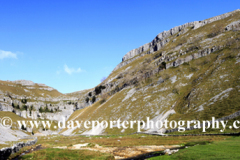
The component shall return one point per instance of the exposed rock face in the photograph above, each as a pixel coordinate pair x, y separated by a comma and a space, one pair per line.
125, 91
160, 80
31, 85
25, 82
7, 134
162, 38
65, 111
6, 152
154, 84
202, 53
36, 99
5, 107
234, 25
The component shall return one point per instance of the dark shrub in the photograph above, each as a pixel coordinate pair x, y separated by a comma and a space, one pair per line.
24, 107
40, 109
90, 94
24, 101
99, 89
102, 87
93, 99
87, 100
47, 109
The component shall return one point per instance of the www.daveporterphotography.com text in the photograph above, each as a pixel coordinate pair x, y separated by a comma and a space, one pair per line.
142, 125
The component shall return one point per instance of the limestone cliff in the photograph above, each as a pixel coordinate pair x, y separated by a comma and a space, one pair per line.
162, 38
189, 72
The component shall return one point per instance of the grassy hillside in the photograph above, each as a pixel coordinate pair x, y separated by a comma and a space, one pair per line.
193, 76
80, 94
196, 90
34, 90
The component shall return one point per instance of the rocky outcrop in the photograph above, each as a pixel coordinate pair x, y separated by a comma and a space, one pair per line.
123, 63
65, 111
201, 53
5, 107
162, 38
170, 151
6, 152
31, 85
25, 82
233, 26
29, 105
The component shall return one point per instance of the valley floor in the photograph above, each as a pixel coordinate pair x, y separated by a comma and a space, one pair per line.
123, 147
225, 149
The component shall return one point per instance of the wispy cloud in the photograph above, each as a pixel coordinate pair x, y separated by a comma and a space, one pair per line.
72, 70
7, 54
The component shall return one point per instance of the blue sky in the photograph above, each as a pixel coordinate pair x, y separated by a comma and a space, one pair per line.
70, 45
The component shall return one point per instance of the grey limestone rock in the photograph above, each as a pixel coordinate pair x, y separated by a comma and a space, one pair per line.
233, 25
25, 82
162, 38
188, 58
6, 152
160, 80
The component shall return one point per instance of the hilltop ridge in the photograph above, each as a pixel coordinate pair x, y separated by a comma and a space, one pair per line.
184, 73
162, 38
189, 72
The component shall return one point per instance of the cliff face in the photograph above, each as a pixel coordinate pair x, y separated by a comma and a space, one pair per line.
189, 72
162, 38
32, 100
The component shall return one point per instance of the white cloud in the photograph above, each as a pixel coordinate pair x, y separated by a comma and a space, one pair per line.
72, 70
7, 54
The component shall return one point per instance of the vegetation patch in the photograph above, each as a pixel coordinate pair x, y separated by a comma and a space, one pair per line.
63, 154
225, 149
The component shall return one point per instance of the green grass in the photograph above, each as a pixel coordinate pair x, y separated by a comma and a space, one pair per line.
208, 68
11, 143
204, 84
60, 154
18, 89
227, 149
124, 141
200, 147
14, 118
105, 141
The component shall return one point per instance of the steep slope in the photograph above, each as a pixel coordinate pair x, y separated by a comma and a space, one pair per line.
189, 72
32, 100
10, 134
